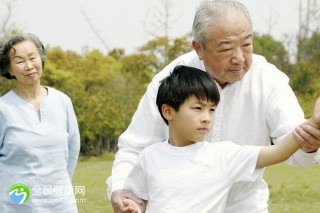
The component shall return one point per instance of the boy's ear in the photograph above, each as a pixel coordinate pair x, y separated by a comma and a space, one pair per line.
167, 111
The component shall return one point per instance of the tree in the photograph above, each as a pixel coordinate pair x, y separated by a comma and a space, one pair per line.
311, 49
155, 49
308, 24
7, 28
273, 50
157, 24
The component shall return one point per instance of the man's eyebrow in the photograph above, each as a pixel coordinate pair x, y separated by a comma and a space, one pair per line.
248, 36
226, 42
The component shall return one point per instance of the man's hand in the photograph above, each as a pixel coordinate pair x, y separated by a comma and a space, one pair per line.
308, 133
117, 198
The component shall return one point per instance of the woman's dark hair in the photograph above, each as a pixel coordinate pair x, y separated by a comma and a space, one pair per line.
8, 45
184, 82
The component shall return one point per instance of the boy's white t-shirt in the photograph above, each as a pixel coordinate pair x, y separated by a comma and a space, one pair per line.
194, 178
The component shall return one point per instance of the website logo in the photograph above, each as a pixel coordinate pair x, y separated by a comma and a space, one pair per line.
19, 193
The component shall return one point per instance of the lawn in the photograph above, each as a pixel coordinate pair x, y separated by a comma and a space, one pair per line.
92, 173
292, 190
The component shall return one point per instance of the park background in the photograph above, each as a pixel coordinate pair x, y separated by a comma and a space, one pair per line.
106, 82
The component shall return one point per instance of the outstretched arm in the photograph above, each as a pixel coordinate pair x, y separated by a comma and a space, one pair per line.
278, 153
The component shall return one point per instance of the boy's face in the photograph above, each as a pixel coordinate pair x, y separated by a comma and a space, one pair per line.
192, 122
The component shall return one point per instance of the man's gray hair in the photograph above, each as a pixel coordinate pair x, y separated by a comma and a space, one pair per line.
209, 13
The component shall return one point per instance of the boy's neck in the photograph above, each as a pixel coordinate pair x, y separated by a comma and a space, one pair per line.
179, 143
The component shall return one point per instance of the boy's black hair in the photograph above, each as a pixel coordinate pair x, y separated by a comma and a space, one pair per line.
183, 82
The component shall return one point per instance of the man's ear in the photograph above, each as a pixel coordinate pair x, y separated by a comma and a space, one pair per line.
197, 47
167, 111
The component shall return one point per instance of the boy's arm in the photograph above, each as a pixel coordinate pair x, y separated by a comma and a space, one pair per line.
270, 155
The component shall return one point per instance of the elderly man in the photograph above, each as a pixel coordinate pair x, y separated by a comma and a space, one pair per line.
257, 103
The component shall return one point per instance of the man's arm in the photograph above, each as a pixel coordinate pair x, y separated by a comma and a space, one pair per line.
283, 115
270, 155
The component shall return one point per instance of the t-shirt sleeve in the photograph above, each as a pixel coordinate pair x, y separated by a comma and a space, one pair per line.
137, 181
240, 162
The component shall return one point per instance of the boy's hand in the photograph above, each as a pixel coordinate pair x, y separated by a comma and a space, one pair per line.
308, 133
132, 207
117, 198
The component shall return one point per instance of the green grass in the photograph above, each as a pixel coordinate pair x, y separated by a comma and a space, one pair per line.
293, 190
92, 174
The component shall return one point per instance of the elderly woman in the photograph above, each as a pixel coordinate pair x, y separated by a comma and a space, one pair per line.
39, 134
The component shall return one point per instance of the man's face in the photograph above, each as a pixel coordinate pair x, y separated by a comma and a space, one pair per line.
227, 55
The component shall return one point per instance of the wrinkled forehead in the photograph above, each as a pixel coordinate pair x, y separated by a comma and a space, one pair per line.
25, 46
232, 27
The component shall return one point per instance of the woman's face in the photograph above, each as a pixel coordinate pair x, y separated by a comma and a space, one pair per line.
227, 55
25, 63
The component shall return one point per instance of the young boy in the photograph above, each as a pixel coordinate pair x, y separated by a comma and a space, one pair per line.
185, 173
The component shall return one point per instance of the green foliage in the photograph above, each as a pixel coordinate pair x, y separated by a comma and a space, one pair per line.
161, 51
105, 92
274, 51
311, 49
303, 77
179, 46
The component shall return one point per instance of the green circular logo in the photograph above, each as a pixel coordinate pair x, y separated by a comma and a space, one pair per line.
19, 193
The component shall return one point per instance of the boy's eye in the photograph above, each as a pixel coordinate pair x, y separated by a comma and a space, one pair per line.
213, 109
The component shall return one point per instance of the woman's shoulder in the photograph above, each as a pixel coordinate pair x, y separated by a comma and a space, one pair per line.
6, 97
56, 93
